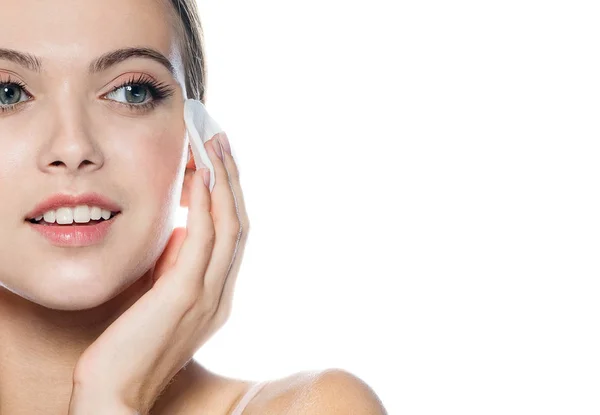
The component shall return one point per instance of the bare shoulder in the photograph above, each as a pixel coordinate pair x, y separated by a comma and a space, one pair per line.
198, 390
328, 392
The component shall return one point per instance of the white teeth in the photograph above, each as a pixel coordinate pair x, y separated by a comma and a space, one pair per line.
50, 216
95, 213
64, 216
79, 214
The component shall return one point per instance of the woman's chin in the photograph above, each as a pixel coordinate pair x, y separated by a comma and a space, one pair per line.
85, 278
73, 288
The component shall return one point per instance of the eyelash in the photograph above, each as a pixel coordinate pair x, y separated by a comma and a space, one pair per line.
159, 91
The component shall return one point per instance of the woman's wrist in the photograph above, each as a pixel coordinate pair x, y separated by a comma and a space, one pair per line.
90, 402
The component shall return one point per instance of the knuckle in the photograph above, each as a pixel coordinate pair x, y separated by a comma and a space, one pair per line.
222, 316
235, 172
234, 230
190, 299
204, 234
209, 237
244, 229
186, 296
210, 304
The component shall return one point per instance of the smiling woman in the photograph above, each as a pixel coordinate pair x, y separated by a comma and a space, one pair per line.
103, 302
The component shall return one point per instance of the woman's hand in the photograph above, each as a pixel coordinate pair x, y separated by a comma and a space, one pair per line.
131, 363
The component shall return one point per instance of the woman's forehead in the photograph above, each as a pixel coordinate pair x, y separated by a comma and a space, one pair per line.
73, 30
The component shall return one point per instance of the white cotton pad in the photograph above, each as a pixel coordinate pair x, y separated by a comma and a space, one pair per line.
200, 128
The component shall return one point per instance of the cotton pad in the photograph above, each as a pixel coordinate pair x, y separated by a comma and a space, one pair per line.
200, 128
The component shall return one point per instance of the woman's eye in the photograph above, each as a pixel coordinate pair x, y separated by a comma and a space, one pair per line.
142, 95
132, 94
10, 94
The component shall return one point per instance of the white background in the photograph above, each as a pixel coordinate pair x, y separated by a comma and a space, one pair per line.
422, 182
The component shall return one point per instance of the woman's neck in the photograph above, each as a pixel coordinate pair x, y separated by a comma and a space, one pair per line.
39, 348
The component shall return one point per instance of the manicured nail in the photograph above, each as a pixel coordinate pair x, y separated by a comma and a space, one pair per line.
225, 142
217, 147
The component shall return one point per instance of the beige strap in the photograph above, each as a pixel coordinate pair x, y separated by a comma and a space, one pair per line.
247, 398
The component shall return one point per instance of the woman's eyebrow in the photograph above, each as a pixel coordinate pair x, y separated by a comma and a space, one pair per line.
103, 62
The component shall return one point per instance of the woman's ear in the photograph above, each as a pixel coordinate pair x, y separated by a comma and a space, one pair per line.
190, 169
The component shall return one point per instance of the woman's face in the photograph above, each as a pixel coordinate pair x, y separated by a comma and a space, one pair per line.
68, 133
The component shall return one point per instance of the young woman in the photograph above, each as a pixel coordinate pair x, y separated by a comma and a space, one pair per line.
102, 303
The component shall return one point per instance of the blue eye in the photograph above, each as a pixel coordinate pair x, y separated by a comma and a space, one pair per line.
141, 94
11, 93
136, 91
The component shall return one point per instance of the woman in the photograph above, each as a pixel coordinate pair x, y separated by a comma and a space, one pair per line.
102, 303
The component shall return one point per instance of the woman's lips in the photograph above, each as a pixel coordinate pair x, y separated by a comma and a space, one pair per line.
76, 234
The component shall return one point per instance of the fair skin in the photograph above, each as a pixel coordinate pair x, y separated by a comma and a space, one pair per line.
57, 303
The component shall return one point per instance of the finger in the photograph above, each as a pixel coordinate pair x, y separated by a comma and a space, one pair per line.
226, 299
234, 180
205, 265
196, 249
170, 253
226, 225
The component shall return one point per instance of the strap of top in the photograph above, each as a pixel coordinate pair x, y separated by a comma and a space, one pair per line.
248, 397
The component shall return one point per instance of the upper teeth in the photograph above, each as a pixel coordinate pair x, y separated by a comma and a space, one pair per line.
79, 214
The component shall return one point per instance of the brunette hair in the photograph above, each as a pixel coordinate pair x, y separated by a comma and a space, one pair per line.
191, 44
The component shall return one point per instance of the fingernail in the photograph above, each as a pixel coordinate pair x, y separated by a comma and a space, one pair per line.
217, 147
225, 142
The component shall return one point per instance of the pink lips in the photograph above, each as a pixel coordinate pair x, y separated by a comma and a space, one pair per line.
76, 235
65, 200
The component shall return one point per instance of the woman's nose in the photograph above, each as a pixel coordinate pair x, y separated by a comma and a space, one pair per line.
69, 143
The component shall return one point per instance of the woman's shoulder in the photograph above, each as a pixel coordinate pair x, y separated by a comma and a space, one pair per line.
332, 391
327, 392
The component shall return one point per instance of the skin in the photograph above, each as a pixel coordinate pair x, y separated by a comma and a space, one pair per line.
56, 302
69, 296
